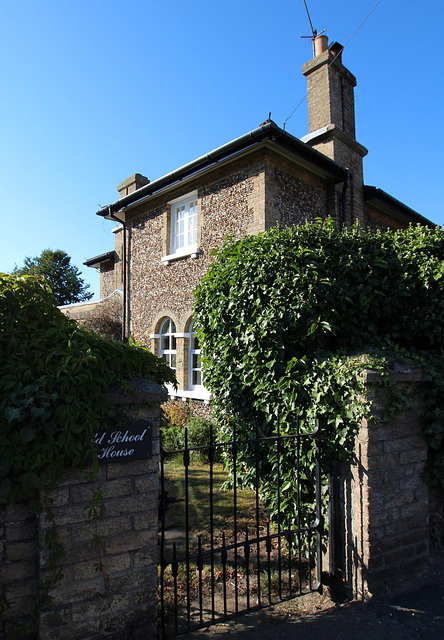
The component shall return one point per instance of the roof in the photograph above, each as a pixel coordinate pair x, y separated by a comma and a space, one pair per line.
95, 262
386, 203
269, 132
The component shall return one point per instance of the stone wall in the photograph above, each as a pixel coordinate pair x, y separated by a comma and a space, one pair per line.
383, 501
119, 603
377, 220
245, 198
158, 288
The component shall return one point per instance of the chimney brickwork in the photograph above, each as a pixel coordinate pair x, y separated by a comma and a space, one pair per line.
131, 184
331, 123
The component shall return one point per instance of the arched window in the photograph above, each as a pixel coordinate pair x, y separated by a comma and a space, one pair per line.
195, 367
167, 349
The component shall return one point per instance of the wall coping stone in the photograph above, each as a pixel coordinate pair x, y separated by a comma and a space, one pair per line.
145, 392
398, 372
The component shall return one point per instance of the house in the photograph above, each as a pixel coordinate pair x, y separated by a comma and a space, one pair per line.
169, 227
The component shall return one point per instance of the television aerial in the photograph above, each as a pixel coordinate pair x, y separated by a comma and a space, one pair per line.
314, 32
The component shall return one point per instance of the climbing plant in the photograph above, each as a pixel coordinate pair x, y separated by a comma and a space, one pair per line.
289, 319
54, 378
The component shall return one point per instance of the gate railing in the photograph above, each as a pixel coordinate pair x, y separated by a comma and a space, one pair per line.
244, 562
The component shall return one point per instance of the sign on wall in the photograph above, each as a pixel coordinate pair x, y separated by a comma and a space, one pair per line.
134, 441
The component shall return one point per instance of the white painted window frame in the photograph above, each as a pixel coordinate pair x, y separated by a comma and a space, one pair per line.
190, 246
191, 353
172, 336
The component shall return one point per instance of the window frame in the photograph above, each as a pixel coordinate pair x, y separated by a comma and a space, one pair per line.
190, 245
194, 352
170, 335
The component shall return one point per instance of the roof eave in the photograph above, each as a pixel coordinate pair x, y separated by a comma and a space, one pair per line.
266, 132
95, 262
391, 205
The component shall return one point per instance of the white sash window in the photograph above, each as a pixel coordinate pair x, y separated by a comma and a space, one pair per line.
184, 218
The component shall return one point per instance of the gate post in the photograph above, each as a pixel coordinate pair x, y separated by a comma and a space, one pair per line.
121, 602
383, 498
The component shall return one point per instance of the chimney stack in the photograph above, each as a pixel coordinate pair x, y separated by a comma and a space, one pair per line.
131, 184
331, 120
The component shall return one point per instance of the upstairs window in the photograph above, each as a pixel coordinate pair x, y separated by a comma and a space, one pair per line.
167, 347
183, 239
184, 225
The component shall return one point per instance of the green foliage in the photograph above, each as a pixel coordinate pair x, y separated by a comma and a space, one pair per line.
66, 283
54, 377
176, 418
199, 435
288, 319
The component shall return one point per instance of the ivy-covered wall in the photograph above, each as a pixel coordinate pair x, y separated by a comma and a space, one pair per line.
117, 599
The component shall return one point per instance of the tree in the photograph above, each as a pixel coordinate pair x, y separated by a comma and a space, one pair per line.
66, 283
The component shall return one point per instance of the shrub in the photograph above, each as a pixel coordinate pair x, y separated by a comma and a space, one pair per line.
176, 418
199, 430
288, 318
106, 319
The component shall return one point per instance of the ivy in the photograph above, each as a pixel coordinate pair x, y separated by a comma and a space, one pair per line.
290, 319
54, 378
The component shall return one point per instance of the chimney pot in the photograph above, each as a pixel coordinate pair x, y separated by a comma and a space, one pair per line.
321, 44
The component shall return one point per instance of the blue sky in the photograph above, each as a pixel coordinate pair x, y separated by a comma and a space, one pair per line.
95, 91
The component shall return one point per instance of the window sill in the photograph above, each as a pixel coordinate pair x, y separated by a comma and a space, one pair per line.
192, 250
189, 394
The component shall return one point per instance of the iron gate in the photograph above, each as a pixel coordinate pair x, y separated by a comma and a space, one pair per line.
220, 554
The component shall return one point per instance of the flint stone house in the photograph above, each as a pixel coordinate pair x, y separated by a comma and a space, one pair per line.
168, 227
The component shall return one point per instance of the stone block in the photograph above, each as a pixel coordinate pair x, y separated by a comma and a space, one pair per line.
127, 582
112, 564
414, 455
107, 527
146, 557
132, 469
98, 608
18, 570
19, 513
69, 514
129, 504
55, 618
146, 484
120, 487
21, 531
20, 589
87, 631
147, 520
76, 592
132, 542
20, 551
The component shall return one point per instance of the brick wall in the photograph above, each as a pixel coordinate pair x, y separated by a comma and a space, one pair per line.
128, 525
384, 501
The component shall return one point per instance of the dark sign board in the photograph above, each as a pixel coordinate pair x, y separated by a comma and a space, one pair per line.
132, 442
